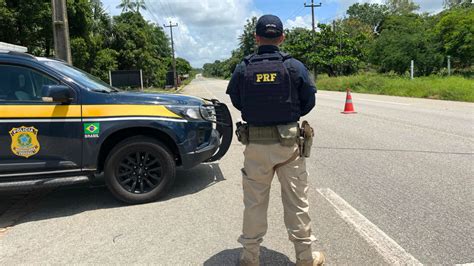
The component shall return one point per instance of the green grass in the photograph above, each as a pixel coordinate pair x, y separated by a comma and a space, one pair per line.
159, 90
452, 88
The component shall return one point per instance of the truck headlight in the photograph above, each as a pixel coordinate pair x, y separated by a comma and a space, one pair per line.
208, 112
187, 112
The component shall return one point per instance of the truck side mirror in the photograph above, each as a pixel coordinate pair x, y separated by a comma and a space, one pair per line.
56, 93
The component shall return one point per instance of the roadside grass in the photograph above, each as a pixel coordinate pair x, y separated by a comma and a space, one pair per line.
454, 88
184, 83
159, 90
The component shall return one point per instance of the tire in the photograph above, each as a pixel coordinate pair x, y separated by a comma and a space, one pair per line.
139, 169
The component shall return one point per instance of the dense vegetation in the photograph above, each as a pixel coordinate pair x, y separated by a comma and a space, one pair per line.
99, 43
381, 38
455, 88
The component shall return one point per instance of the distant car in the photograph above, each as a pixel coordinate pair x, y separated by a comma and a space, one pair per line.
58, 121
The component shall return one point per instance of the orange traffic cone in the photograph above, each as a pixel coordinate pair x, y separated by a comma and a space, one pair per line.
349, 107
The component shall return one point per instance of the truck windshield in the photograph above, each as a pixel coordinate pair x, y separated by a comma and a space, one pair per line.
81, 77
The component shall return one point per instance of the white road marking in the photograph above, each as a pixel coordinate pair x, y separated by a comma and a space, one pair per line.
362, 99
384, 245
465, 264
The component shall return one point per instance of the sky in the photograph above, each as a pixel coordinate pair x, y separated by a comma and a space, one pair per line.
208, 30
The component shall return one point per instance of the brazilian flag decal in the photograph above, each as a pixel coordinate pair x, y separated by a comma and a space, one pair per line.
91, 130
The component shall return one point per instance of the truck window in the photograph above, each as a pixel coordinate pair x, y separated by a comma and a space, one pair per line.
22, 84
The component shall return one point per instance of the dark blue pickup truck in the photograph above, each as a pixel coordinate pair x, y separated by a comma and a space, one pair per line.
58, 121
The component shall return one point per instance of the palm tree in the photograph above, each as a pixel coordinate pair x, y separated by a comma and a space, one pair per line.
127, 5
140, 4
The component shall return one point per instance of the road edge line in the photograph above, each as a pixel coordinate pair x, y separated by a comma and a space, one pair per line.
390, 251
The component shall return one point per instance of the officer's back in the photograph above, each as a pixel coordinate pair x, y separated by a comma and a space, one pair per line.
271, 87
273, 90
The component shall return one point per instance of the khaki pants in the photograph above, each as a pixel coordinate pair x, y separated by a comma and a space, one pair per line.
258, 172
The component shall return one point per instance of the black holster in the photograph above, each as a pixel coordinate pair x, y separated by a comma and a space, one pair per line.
242, 132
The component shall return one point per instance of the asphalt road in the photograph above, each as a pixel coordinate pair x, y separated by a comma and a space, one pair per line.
393, 182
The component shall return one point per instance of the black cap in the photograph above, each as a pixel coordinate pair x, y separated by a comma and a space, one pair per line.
269, 26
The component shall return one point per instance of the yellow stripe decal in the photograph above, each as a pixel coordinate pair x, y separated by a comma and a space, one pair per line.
39, 111
66, 111
126, 110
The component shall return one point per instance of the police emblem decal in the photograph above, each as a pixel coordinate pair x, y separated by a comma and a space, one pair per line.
265, 77
24, 141
91, 130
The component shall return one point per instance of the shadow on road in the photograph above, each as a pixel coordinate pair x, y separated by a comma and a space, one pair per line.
48, 202
231, 257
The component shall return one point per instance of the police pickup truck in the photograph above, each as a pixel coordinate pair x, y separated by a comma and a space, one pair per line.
58, 121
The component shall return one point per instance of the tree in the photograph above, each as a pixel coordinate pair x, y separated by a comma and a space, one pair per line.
127, 5
27, 23
328, 51
80, 16
105, 61
247, 42
457, 3
370, 14
80, 53
400, 7
360, 33
141, 45
8, 22
454, 33
404, 38
140, 4
183, 67
215, 69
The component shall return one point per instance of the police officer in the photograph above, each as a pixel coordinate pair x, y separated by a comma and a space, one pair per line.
273, 90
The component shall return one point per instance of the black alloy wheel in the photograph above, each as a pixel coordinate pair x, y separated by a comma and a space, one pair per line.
139, 169
139, 172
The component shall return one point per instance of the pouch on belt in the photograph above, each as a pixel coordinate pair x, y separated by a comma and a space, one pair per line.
263, 134
288, 134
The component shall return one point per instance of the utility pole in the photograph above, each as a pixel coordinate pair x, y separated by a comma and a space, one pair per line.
315, 72
449, 65
62, 47
312, 11
175, 76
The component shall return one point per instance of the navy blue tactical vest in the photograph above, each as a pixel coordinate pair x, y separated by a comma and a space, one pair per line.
267, 96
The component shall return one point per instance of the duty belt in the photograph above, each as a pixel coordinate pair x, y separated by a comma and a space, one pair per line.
286, 135
269, 133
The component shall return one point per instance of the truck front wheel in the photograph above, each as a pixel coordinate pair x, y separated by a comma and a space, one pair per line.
139, 169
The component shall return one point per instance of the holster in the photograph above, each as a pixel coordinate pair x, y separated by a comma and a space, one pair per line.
306, 139
242, 132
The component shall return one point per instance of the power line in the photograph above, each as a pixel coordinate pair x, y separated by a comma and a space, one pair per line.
151, 10
180, 35
163, 9
170, 8
294, 12
337, 16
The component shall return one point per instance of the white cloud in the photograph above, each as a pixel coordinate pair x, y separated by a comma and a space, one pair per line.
207, 29
300, 22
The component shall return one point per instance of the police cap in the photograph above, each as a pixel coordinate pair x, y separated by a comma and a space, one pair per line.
269, 26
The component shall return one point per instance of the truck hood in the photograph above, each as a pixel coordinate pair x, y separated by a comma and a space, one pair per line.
155, 98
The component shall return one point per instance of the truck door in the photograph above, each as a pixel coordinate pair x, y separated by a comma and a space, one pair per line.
36, 137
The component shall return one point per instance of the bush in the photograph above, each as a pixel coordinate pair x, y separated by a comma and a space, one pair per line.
455, 88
